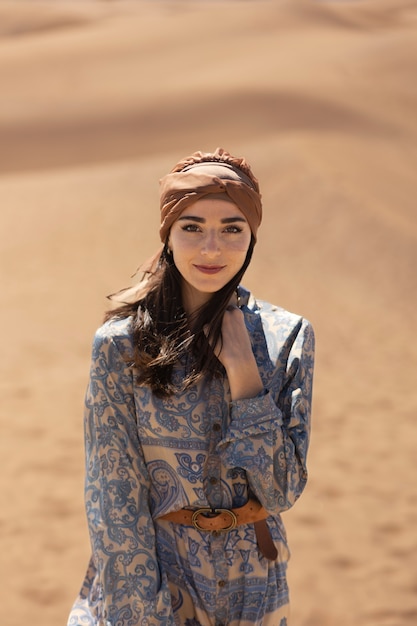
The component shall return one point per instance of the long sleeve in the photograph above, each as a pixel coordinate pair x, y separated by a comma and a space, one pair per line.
268, 435
130, 589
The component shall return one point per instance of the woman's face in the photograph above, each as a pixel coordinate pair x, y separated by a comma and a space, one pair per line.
209, 242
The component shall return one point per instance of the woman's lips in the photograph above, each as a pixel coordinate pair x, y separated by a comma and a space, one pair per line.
209, 269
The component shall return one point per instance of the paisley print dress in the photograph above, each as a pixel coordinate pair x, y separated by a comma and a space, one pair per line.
147, 456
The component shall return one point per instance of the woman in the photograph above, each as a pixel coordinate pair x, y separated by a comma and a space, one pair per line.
197, 423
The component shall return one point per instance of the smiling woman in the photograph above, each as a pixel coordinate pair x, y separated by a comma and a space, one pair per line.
197, 423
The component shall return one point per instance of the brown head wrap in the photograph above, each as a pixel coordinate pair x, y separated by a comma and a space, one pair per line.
211, 177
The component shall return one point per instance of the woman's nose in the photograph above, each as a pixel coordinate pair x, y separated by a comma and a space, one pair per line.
211, 245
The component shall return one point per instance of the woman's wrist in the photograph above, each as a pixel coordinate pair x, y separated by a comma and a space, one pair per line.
244, 380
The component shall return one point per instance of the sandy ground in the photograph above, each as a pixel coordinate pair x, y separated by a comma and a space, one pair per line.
97, 101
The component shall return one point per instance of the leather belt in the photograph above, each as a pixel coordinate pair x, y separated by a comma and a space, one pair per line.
224, 520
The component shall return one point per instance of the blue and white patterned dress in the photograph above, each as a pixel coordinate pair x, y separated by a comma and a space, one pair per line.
148, 456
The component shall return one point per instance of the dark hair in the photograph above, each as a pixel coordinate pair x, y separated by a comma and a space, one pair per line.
163, 335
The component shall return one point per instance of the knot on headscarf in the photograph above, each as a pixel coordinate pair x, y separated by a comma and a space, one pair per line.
216, 179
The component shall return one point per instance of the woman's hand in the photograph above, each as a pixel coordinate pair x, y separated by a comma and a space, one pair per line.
236, 355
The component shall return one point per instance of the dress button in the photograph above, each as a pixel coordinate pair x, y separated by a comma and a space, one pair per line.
213, 480
216, 427
221, 583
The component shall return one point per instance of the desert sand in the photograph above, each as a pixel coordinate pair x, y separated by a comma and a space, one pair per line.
97, 101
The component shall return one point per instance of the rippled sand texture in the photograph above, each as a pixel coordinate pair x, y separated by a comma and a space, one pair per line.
97, 101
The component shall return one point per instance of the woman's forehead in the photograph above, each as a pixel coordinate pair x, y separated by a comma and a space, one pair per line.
209, 208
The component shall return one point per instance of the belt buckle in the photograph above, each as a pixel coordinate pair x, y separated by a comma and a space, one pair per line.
207, 509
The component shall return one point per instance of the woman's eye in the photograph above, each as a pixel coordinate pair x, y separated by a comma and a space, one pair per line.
191, 228
233, 229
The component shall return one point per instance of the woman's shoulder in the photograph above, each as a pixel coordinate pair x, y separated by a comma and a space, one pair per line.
281, 325
278, 312
116, 331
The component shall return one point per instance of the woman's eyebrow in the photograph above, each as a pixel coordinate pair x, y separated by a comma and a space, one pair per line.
229, 220
194, 218
201, 220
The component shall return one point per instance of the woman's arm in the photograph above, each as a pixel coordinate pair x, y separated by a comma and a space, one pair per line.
130, 588
269, 433
237, 356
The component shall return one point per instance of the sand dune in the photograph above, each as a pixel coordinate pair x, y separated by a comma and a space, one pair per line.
98, 100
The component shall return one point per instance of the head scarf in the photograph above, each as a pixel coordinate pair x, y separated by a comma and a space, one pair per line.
205, 179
